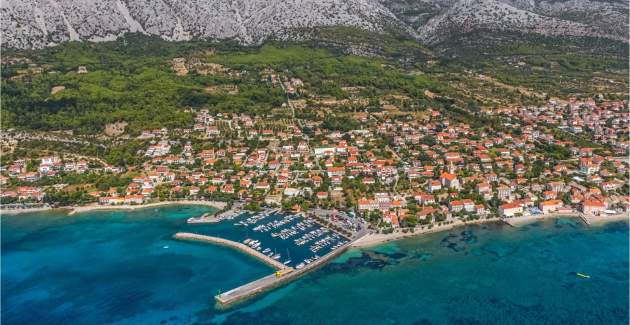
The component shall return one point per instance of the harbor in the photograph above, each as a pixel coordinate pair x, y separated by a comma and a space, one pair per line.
293, 244
230, 298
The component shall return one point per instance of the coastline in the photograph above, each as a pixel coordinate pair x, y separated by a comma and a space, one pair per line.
86, 208
600, 220
373, 239
376, 239
9, 212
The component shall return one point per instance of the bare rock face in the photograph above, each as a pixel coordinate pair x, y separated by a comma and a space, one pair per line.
40, 23
438, 20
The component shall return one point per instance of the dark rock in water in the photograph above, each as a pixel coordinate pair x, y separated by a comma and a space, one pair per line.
455, 247
397, 256
468, 236
371, 260
424, 256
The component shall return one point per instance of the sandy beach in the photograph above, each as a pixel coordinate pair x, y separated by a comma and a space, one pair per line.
602, 219
86, 208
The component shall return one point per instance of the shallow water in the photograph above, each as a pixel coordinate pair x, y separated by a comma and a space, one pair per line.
123, 267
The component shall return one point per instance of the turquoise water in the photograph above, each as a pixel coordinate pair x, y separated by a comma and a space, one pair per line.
123, 267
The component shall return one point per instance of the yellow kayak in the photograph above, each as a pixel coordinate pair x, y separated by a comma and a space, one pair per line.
586, 276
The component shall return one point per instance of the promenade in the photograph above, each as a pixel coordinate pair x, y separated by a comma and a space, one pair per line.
588, 219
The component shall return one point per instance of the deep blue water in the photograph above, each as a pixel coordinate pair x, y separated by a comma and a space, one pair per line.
123, 267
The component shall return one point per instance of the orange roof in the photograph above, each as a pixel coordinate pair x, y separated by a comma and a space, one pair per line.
448, 176
512, 205
593, 203
551, 202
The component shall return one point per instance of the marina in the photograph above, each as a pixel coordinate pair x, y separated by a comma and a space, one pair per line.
292, 244
292, 239
251, 289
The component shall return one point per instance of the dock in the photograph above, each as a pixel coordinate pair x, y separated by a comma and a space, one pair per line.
225, 242
205, 218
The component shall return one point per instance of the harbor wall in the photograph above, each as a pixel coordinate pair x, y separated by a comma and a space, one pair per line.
254, 288
225, 242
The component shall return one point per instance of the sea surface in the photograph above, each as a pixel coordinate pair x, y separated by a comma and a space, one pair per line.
123, 267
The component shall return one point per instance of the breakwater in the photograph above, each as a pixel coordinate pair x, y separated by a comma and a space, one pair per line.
249, 290
225, 242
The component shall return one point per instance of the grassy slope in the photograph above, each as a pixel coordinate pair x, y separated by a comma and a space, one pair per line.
131, 80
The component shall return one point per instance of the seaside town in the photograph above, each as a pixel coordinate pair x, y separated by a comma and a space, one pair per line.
398, 170
249, 167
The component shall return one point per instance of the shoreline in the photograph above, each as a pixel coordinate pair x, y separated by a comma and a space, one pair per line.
10, 212
600, 220
87, 208
377, 239
373, 239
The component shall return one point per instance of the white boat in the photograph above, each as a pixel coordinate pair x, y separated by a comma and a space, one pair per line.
276, 257
299, 266
286, 262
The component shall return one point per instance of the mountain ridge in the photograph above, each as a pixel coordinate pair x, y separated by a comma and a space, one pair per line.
41, 23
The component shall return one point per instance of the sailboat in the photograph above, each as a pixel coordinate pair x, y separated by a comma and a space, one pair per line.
289, 260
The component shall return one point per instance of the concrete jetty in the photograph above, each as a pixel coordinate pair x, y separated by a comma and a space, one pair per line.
225, 242
205, 218
225, 215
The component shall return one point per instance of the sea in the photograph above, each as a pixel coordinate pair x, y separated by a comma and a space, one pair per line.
123, 267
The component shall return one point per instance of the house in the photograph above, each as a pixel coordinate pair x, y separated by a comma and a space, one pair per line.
469, 205
134, 199
336, 171
367, 205
433, 186
30, 193
587, 166
289, 191
550, 206
556, 186
510, 209
456, 206
504, 193
593, 207
424, 198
